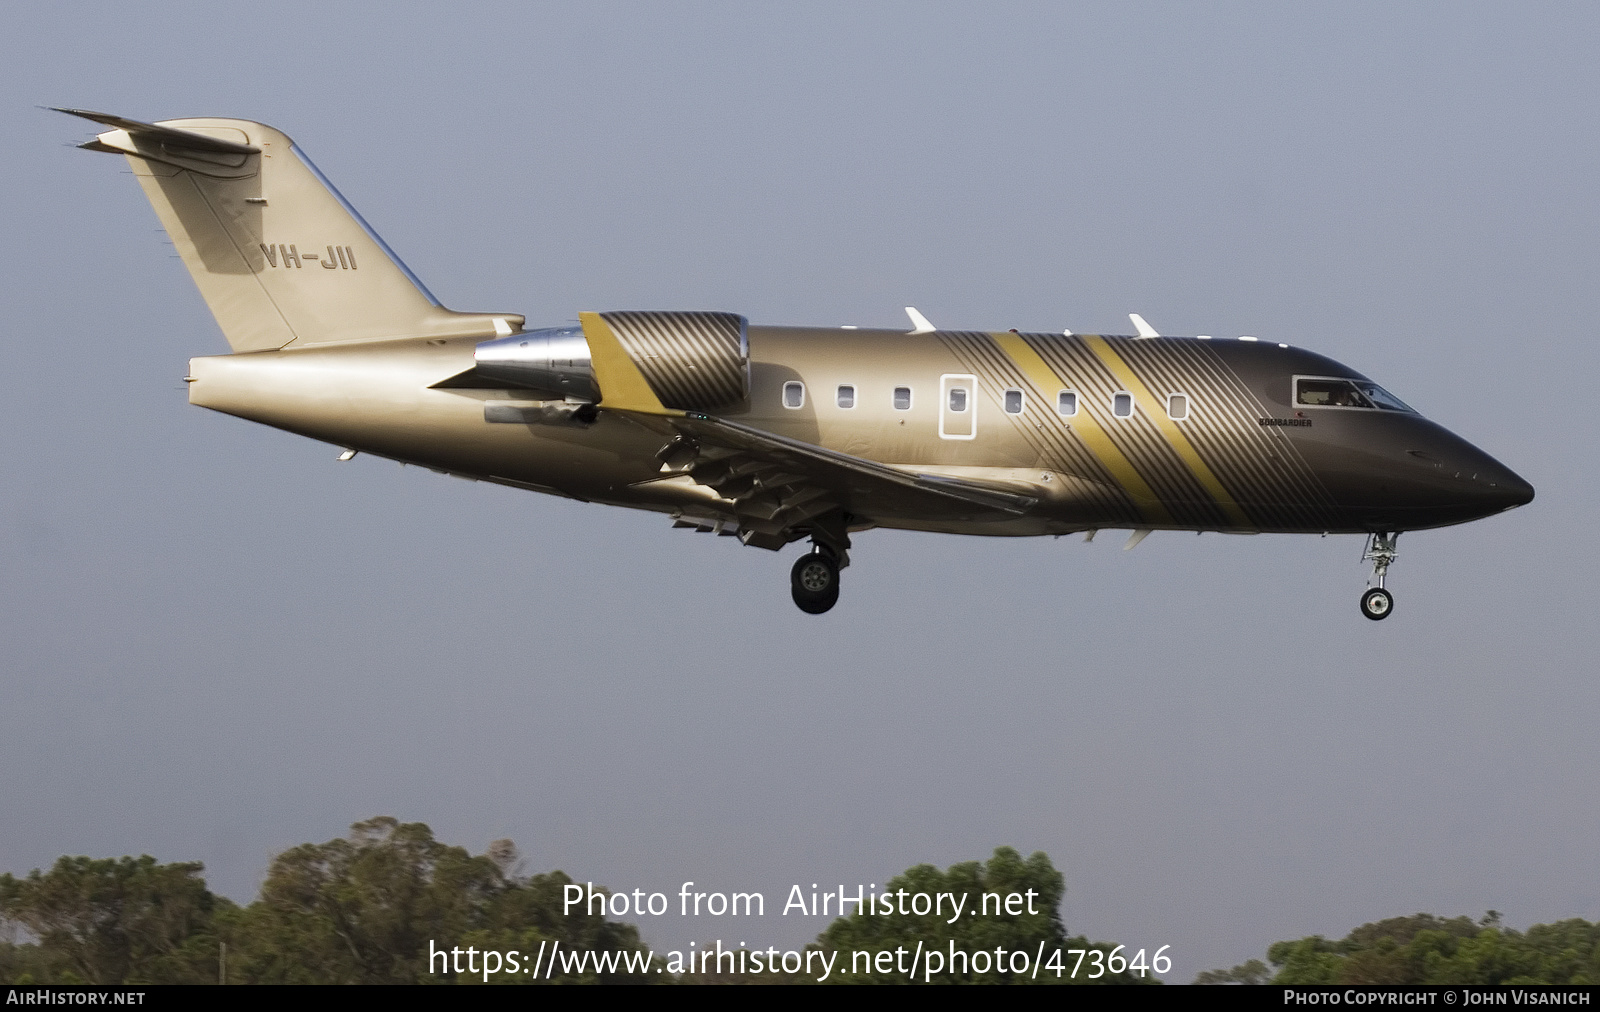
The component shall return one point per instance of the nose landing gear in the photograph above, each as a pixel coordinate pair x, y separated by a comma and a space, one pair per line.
1377, 602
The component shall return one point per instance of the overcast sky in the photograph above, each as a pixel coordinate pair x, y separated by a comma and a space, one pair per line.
217, 643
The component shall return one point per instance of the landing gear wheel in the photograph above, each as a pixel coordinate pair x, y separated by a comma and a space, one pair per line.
814, 582
1377, 603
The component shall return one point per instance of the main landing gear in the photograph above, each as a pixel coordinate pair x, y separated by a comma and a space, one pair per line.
814, 580
1377, 602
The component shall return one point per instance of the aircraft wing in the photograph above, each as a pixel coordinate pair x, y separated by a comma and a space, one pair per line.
772, 479
784, 481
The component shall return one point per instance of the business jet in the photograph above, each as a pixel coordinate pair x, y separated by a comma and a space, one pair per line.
776, 434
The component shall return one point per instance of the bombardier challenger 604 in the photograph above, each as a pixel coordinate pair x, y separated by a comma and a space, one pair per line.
779, 434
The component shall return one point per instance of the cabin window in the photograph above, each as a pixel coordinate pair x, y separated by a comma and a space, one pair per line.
794, 394
1122, 404
1066, 403
1013, 402
902, 398
1177, 407
958, 411
847, 396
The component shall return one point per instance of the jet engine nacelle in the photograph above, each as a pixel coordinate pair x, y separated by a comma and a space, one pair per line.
555, 360
693, 361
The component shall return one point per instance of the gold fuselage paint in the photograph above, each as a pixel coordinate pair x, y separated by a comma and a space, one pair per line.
1157, 410
379, 399
1222, 467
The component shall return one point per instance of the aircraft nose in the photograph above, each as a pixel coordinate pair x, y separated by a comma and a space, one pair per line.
1508, 489
1488, 484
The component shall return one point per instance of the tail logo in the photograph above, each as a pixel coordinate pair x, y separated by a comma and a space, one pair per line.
336, 258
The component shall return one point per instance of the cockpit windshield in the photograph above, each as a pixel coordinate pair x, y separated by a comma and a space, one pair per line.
1331, 392
1383, 398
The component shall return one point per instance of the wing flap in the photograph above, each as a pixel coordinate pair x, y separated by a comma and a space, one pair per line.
777, 479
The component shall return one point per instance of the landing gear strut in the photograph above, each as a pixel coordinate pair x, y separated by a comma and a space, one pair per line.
1377, 602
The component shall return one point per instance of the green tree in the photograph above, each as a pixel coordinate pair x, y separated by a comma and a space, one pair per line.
532, 912
371, 907
1425, 949
26, 963
1036, 883
361, 909
1252, 971
111, 921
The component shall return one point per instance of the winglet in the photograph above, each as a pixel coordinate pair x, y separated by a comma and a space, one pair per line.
622, 386
919, 323
1144, 329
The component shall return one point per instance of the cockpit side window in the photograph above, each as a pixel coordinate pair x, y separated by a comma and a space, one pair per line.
1340, 393
1334, 392
1330, 393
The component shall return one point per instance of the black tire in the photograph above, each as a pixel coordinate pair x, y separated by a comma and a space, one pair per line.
814, 583
1377, 603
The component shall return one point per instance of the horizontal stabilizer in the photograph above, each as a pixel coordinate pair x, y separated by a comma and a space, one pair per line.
166, 135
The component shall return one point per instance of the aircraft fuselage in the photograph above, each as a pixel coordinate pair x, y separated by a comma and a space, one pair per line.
1241, 454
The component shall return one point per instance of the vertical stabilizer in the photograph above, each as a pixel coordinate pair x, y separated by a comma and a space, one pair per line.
278, 254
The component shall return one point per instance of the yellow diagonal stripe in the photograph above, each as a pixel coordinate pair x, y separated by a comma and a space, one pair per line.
622, 386
1089, 430
1156, 411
